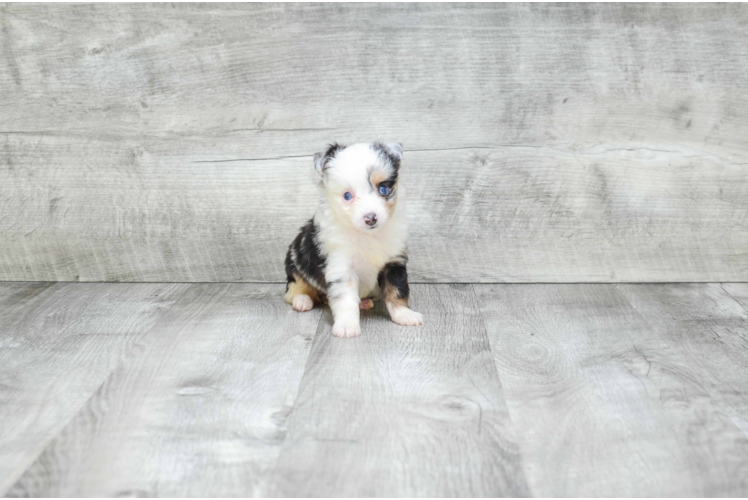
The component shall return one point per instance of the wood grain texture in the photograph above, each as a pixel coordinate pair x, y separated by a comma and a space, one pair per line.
624, 390
202, 390
544, 142
710, 329
738, 291
58, 343
403, 411
200, 411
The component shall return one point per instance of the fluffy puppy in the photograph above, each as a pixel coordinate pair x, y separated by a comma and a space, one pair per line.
354, 249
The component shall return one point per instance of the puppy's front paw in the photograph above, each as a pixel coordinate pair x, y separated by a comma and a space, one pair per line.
346, 329
303, 303
406, 317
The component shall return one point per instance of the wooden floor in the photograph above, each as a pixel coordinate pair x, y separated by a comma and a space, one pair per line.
508, 390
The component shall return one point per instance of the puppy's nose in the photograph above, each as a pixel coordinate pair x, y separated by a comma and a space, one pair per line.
370, 219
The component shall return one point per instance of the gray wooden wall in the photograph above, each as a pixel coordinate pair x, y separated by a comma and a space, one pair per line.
543, 143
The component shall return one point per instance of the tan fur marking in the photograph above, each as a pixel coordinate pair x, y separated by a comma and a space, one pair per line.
301, 287
376, 178
391, 296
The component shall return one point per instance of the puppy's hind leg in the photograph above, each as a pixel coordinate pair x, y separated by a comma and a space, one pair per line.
393, 281
301, 295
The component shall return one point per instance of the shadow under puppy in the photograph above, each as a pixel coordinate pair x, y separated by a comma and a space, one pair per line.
354, 249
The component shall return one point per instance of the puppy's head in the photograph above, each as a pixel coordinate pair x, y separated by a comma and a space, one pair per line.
361, 181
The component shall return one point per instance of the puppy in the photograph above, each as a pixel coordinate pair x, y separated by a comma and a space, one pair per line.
354, 248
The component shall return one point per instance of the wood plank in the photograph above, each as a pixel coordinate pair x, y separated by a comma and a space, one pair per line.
58, 344
403, 411
621, 213
483, 215
432, 75
630, 390
200, 411
544, 142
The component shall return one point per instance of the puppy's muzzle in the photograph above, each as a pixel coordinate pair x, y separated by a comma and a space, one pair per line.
370, 219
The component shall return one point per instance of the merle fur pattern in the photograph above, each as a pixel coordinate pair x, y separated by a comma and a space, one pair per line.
305, 259
384, 152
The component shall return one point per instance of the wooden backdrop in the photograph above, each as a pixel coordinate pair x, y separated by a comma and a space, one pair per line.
543, 143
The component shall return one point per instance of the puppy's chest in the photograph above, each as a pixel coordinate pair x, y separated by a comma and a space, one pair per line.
364, 255
366, 265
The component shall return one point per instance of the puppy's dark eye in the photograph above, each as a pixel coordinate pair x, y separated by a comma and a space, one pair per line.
383, 190
347, 196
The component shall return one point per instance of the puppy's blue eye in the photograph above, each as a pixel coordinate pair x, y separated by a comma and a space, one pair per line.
347, 196
383, 190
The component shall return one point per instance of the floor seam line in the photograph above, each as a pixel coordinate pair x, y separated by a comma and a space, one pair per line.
512, 422
274, 469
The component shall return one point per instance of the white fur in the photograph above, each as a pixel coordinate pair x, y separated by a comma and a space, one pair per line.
355, 252
303, 303
404, 316
347, 242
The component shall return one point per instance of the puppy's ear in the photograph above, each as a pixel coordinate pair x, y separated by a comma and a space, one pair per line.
319, 163
321, 160
396, 149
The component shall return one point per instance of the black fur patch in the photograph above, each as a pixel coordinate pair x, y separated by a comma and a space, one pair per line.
332, 149
305, 259
396, 275
385, 153
329, 154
